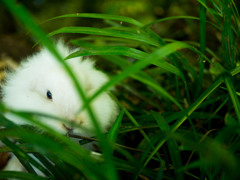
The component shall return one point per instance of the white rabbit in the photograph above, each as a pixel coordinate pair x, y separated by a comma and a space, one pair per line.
40, 84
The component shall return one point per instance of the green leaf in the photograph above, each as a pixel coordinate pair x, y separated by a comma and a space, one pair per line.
186, 113
57, 173
20, 175
112, 135
202, 48
233, 95
99, 16
180, 17
110, 50
24, 158
229, 55
138, 35
216, 69
229, 120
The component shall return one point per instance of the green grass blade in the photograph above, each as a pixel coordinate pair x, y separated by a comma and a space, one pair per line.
235, 71
24, 158
196, 44
57, 174
197, 102
236, 17
158, 88
20, 175
216, 12
168, 67
112, 135
100, 16
109, 50
202, 48
233, 95
213, 12
181, 17
138, 35
109, 40
227, 37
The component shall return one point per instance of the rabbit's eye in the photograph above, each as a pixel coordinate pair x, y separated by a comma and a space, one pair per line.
49, 94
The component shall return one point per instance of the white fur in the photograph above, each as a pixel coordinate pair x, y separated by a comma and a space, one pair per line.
26, 89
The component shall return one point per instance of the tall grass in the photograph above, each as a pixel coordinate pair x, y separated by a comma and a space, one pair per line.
177, 120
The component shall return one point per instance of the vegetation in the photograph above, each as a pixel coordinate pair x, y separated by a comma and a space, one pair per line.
179, 101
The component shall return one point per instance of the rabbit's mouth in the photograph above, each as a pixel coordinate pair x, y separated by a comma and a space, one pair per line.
68, 129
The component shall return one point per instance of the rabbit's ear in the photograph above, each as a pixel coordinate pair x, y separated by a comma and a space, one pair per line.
63, 49
84, 70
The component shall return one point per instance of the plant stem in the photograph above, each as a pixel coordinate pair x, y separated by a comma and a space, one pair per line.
202, 47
